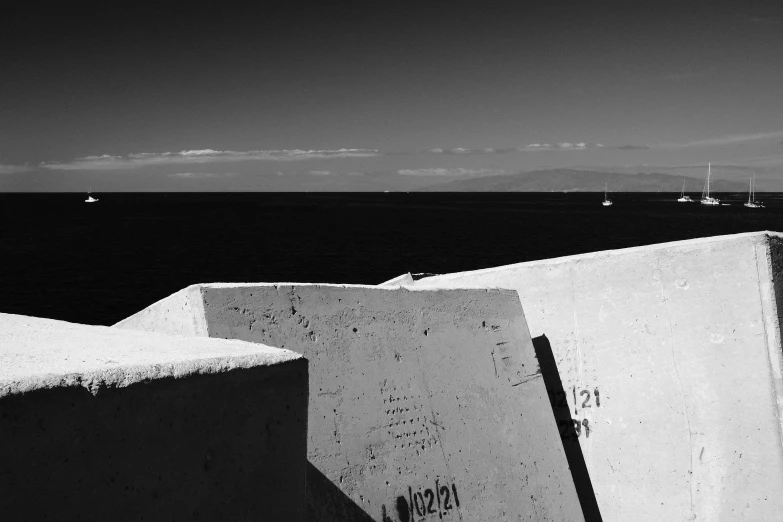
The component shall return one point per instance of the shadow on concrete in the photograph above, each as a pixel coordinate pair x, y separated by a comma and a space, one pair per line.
327, 503
569, 435
222, 446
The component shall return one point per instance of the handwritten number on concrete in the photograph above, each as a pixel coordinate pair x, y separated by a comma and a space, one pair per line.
444, 491
585, 403
573, 428
419, 508
420, 504
431, 496
577, 428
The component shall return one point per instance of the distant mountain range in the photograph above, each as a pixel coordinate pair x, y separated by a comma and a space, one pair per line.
568, 180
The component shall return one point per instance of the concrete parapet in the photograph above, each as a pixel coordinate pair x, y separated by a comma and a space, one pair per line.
671, 354
117, 425
424, 405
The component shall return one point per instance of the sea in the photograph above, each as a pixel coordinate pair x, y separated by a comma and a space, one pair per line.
98, 263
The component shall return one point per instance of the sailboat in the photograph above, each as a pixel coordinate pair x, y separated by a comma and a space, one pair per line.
752, 203
90, 199
607, 202
705, 195
683, 198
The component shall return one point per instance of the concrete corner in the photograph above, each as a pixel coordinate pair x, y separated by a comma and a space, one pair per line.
672, 354
423, 404
134, 425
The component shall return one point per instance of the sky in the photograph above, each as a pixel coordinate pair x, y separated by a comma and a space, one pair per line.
385, 95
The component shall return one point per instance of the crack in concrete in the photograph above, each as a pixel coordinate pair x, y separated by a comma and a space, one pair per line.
682, 391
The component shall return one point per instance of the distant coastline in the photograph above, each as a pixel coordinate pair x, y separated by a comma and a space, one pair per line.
570, 180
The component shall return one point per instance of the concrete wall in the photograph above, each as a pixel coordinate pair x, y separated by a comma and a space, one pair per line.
680, 343
106, 424
423, 406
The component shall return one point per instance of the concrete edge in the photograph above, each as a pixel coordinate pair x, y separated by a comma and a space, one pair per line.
603, 253
123, 376
195, 293
771, 323
401, 280
188, 291
198, 316
497, 289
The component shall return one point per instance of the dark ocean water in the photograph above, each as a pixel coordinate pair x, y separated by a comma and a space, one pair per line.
98, 263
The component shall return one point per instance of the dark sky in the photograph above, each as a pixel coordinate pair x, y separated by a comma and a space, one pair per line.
383, 95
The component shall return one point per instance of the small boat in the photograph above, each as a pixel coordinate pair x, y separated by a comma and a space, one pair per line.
606, 202
683, 198
705, 194
751, 202
90, 199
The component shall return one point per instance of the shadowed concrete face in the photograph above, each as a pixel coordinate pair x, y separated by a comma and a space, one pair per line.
132, 425
670, 359
423, 405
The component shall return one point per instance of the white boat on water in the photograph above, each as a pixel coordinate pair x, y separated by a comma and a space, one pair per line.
683, 198
751, 202
90, 199
606, 202
705, 194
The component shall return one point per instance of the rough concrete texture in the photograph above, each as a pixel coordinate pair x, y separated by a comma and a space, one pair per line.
119, 425
672, 355
423, 406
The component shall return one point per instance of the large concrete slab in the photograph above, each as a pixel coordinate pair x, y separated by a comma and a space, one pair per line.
672, 355
423, 406
118, 425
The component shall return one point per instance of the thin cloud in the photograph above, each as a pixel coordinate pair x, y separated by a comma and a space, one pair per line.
631, 147
195, 157
448, 172
725, 140
769, 161
463, 152
202, 175
525, 148
14, 169
320, 172
561, 146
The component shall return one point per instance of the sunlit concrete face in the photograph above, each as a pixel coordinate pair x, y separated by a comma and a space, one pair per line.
671, 354
423, 405
109, 424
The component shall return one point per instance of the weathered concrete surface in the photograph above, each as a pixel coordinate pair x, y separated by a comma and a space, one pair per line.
423, 406
108, 424
682, 343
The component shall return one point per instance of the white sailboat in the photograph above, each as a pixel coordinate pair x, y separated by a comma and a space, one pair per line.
683, 198
606, 202
752, 203
90, 199
705, 195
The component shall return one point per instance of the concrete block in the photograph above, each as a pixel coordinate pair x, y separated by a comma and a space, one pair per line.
671, 353
423, 406
112, 424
